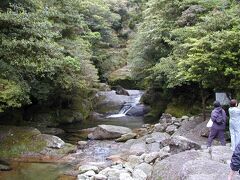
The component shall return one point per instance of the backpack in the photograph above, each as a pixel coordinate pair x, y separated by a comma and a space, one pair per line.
220, 119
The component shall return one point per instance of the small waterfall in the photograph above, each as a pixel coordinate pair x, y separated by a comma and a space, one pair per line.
135, 97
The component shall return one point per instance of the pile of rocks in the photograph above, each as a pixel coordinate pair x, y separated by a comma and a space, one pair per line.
170, 124
168, 150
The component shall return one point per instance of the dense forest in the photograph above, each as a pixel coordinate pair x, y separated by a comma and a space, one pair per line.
56, 53
187, 50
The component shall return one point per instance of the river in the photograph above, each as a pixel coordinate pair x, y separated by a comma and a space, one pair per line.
97, 151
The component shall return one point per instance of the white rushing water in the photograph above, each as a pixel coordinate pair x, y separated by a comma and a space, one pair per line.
134, 99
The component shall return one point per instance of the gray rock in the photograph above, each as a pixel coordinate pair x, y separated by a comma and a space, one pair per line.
138, 110
141, 132
126, 137
125, 176
180, 143
178, 124
85, 168
138, 148
153, 147
184, 118
166, 149
100, 177
81, 144
170, 168
109, 101
150, 140
209, 169
112, 173
151, 157
205, 132
146, 168
4, 167
52, 141
162, 154
192, 130
221, 153
118, 166
166, 118
89, 173
139, 174
133, 160
121, 91
160, 127
159, 137
82, 177
192, 118
171, 129
108, 132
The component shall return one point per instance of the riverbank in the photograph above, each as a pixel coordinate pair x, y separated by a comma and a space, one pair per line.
172, 149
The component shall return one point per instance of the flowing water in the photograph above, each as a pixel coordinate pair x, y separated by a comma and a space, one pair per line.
134, 100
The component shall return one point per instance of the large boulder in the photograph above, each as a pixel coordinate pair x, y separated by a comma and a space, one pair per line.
121, 91
170, 168
109, 101
191, 129
179, 143
108, 132
221, 154
52, 141
204, 169
138, 110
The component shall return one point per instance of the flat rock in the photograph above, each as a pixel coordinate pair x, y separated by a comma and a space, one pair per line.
108, 132
126, 137
180, 143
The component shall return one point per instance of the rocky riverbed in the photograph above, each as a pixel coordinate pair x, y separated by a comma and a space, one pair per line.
173, 149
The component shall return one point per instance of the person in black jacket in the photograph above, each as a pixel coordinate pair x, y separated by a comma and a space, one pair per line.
235, 162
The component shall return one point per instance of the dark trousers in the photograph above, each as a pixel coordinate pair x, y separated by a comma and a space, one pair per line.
219, 133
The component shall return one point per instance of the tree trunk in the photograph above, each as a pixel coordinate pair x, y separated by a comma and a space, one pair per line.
203, 104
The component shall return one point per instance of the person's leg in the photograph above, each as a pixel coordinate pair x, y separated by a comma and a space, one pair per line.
212, 135
221, 137
232, 134
237, 137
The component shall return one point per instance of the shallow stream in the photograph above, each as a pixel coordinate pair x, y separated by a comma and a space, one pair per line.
96, 151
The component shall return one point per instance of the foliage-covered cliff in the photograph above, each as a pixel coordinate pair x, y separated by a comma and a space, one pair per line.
191, 46
55, 52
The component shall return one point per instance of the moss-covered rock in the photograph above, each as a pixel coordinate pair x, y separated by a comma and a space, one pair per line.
14, 141
123, 78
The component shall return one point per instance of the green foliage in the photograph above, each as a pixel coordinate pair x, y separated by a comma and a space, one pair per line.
47, 48
187, 42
